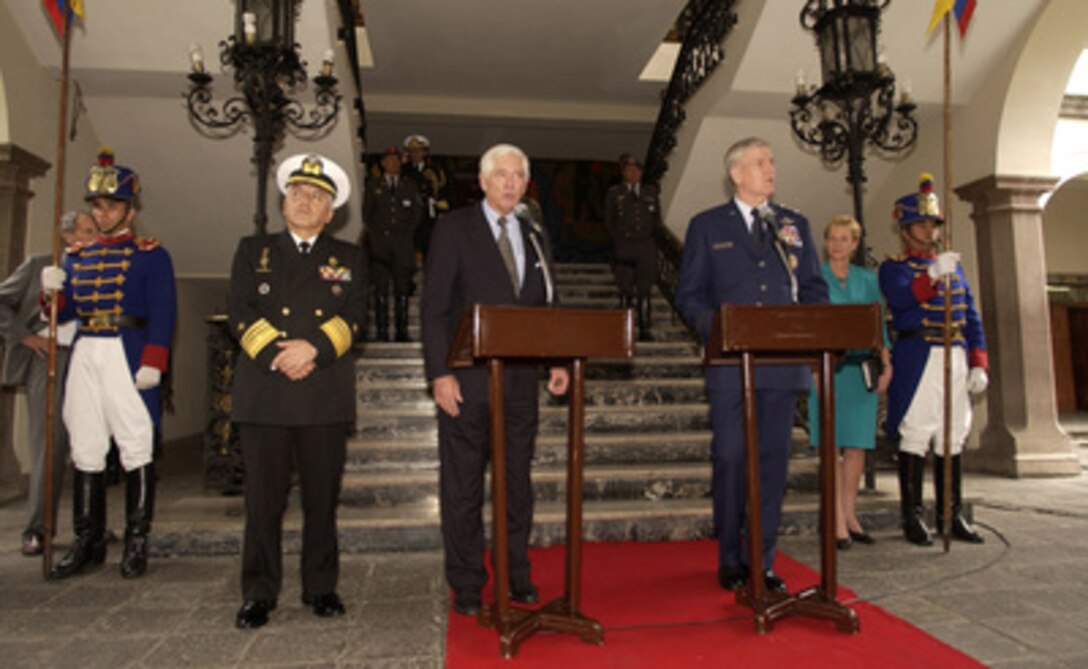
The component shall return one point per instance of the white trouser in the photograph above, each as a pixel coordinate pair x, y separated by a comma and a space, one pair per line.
924, 420
101, 401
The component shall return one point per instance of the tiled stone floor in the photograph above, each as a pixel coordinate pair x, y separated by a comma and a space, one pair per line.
1018, 601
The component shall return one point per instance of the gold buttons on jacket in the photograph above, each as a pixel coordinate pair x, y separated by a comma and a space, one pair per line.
286, 311
319, 313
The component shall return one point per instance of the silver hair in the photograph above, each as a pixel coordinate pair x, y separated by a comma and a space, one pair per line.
487, 161
68, 220
735, 153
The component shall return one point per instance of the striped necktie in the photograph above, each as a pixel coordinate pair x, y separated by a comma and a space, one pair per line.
506, 249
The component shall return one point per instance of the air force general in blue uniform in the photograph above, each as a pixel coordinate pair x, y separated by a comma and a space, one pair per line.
726, 261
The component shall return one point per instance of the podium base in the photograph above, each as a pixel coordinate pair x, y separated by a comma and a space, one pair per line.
810, 602
555, 616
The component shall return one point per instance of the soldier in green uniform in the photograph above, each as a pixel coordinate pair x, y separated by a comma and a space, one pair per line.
392, 211
431, 179
631, 212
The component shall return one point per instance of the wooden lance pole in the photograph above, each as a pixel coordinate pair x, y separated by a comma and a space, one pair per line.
51, 377
946, 507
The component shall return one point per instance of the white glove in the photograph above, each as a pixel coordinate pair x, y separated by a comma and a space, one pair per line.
944, 264
149, 377
977, 381
53, 278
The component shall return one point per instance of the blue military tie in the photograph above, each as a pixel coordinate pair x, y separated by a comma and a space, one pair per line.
757, 228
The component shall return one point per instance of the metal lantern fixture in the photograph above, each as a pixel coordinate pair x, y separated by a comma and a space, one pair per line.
264, 57
856, 103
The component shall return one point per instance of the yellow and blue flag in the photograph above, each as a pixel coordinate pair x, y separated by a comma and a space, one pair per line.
58, 11
963, 9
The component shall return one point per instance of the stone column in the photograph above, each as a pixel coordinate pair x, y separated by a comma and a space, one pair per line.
17, 168
1022, 436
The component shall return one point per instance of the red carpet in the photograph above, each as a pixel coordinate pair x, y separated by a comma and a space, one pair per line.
661, 606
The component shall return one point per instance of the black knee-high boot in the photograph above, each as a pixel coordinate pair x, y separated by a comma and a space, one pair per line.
400, 317
381, 317
139, 510
961, 529
89, 521
911, 471
644, 320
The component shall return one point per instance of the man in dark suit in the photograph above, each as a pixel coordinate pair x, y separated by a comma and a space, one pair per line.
483, 254
749, 251
631, 212
297, 304
392, 210
26, 351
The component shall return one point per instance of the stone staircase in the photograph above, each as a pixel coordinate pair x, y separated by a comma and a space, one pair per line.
647, 464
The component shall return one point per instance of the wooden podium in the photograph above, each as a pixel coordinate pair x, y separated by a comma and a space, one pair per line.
497, 334
792, 334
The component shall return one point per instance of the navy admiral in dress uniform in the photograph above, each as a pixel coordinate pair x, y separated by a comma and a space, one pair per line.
392, 210
749, 251
631, 212
912, 283
432, 182
121, 290
297, 304
483, 254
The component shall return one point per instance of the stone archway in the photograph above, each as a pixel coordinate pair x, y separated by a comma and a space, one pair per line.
17, 168
1022, 437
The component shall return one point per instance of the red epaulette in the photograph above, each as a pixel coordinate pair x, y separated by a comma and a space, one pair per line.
146, 243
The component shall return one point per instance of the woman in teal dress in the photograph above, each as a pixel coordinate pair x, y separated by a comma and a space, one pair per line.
855, 405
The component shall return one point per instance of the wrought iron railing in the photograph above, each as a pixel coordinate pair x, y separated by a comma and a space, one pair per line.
350, 16
701, 28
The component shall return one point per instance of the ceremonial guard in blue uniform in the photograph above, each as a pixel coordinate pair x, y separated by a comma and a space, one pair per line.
392, 210
121, 290
297, 304
749, 251
631, 213
912, 283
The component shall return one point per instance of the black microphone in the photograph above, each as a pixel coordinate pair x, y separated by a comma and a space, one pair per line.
766, 214
522, 211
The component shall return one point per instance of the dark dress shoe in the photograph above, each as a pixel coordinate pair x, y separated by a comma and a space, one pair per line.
963, 531
325, 606
524, 592
466, 602
862, 537
731, 578
33, 544
254, 613
774, 582
844, 544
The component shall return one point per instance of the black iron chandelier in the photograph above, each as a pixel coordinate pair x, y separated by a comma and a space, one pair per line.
267, 69
855, 105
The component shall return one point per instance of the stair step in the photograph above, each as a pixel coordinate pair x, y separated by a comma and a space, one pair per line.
668, 366
414, 350
213, 525
420, 421
368, 456
413, 394
652, 480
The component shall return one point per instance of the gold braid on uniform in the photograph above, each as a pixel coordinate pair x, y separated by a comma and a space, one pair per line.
257, 336
338, 333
